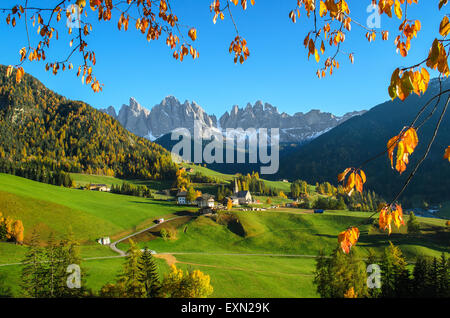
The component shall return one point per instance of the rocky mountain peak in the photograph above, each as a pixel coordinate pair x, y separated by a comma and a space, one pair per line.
170, 115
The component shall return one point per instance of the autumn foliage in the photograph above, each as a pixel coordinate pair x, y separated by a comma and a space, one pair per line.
11, 229
405, 143
391, 214
356, 179
348, 238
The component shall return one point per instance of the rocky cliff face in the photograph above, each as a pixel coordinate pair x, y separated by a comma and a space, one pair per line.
170, 114
296, 128
162, 119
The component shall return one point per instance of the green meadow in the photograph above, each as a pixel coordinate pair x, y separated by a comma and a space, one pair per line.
90, 214
248, 254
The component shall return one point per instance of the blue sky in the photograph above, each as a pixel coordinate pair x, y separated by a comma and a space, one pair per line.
277, 72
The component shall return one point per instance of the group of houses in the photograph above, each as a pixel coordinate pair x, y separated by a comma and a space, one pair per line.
99, 187
203, 201
208, 200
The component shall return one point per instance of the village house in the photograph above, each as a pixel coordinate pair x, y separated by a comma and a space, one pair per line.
104, 240
205, 201
181, 197
99, 187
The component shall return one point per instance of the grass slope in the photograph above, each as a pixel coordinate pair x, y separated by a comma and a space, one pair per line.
288, 233
91, 214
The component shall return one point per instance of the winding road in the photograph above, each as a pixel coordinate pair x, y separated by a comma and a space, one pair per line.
121, 253
114, 247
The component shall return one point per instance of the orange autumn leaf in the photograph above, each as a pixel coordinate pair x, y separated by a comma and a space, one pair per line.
348, 238
9, 71
341, 177
447, 153
405, 143
390, 214
20, 73
356, 180
437, 58
193, 34
398, 10
444, 27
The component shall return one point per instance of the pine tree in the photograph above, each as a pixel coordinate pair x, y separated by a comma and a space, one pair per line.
413, 224
33, 283
52, 266
395, 275
322, 275
70, 255
132, 286
420, 282
341, 272
443, 277
148, 275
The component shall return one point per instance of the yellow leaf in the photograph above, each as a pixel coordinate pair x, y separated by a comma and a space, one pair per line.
323, 9
9, 71
444, 28
363, 176
316, 55
398, 10
193, 34
20, 73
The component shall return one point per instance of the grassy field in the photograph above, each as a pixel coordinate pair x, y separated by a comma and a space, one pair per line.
225, 178
90, 214
82, 179
254, 276
288, 233
201, 243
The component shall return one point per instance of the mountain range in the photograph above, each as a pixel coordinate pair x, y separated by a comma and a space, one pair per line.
171, 114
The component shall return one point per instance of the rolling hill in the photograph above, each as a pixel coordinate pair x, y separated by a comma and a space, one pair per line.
41, 131
91, 214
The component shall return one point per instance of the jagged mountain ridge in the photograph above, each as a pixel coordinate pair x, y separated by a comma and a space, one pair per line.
171, 114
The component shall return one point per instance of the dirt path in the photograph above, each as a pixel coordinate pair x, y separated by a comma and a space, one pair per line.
169, 258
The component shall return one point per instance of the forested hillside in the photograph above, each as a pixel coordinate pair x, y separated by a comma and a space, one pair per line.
363, 137
41, 131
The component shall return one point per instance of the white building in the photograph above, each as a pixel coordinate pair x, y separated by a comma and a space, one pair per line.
181, 197
104, 240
